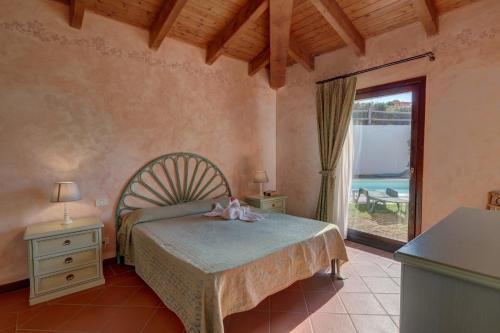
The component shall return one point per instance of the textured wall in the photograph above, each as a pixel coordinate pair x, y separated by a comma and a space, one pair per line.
93, 105
462, 130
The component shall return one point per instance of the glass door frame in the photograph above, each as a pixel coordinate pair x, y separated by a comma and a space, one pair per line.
417, 87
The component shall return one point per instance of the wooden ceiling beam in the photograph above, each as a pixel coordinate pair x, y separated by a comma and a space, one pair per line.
280, 20
335, 16
427, 14
76, 11
252, 10
297, 53
260, 61
165, 21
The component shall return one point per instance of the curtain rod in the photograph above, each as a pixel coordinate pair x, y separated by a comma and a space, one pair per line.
429, 55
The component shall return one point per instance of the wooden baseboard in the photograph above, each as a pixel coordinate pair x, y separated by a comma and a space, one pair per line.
5, 288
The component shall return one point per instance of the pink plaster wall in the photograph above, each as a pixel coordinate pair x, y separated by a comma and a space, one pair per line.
462, 130
94, 105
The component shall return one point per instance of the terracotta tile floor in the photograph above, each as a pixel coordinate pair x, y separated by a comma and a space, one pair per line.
368, 301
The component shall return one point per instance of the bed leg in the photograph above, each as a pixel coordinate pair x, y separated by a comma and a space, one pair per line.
336, 275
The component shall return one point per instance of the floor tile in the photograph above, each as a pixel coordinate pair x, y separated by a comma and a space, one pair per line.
361, 303
394, 270
374, 324
397, 281
395, 319
317, 283
15, 300
164, 320
347, 270
287, 322
381, 285
369, 269
126, 305
352, 284
80, 298
89, 319
390, 302
51, 317
320, 301
247, 322
7, 320
27, 314
332, 323
136, 319
144, 297
288, 301
115, 295
263, 306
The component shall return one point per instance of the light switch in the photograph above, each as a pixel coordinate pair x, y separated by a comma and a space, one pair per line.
101, 202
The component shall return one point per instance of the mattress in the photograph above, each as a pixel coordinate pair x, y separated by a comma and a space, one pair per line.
206, 268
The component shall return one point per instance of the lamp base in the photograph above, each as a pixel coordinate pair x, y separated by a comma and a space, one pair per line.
67, 219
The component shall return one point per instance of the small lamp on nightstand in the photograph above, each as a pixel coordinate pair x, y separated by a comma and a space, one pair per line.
65, 192
260, 178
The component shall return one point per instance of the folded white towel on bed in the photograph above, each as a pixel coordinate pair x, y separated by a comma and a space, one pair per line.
234, 211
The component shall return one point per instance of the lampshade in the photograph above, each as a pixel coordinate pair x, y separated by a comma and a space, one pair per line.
65, 191
260, 177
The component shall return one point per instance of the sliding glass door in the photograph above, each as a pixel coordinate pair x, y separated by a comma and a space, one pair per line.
387, 139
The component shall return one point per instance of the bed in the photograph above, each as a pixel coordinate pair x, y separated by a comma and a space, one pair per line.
206, 268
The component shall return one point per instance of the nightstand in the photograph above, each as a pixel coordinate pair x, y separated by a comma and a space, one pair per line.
63, 259
276, 203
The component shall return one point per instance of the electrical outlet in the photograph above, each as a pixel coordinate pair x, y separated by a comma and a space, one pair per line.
101, 202
105, 241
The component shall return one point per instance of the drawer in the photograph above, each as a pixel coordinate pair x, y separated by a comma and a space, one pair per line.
68, 242
65, 279
65, 261
277, 210
273, 205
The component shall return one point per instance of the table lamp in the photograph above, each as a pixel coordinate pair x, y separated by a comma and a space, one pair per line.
65, 192
260, 178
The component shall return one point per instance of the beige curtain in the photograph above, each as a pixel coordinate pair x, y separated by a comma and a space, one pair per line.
334, 101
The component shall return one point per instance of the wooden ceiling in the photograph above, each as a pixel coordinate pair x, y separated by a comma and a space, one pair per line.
268, 33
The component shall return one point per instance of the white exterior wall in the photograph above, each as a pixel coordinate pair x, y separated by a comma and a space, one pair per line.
381, 149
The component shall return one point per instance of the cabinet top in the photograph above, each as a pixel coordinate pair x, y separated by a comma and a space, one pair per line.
54, 228
264, 197
465, 242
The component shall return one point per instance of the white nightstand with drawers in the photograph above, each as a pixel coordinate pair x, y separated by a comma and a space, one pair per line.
63, 259
276, 203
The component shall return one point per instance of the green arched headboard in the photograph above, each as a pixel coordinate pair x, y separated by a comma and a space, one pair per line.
169, 180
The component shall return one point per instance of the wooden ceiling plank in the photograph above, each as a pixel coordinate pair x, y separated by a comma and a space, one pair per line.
249, 13
280, 21
297, 53
333, 13
165, 21
76, 11
260, 61
427, 13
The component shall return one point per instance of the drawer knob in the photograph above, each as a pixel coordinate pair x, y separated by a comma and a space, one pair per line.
70, 277
274, 205
68, 260
66, 242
